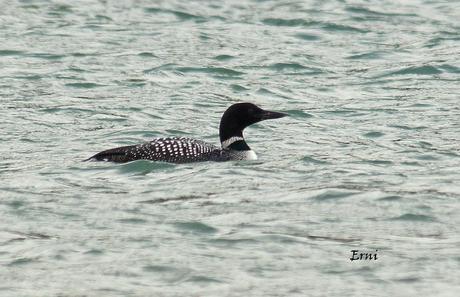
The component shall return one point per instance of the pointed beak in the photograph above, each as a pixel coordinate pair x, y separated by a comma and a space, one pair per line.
268, 115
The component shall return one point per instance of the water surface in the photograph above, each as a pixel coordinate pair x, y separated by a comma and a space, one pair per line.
368, 160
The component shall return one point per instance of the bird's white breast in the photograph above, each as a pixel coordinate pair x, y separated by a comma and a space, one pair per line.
250, 155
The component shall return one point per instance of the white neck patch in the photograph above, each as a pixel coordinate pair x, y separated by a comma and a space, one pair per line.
228, 142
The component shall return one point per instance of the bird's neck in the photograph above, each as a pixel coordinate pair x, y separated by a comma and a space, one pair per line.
235, 142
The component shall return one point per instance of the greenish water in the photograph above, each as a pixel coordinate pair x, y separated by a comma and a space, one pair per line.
369, 158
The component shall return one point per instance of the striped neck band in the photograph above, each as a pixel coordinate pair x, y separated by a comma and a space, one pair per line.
228, 142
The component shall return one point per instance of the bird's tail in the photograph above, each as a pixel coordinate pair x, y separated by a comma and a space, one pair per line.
119, 155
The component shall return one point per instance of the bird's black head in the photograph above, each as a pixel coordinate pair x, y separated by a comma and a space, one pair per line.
240, 115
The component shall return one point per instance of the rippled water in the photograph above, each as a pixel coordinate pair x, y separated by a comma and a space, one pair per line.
369, 158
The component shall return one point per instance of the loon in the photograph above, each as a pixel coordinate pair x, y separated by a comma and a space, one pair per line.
185, 150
